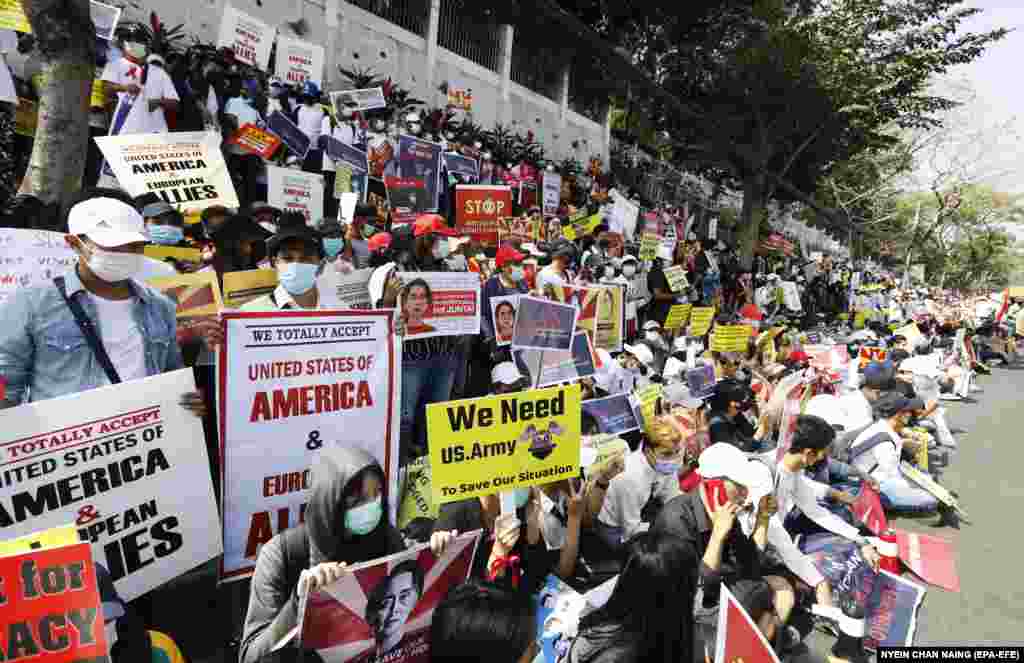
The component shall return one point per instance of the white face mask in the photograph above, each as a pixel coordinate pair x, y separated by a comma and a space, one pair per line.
113, 267
441, 250
628, 270
414, 128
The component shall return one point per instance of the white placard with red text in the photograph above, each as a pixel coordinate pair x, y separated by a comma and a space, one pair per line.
296, 191
290, 383
114, 461
249, 38
299, 61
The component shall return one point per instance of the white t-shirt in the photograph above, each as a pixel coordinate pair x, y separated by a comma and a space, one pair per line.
121, 337
856, 410
346, 132
310, 120
140, 119
245, 113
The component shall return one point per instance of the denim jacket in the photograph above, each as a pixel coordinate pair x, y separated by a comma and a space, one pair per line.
43, 353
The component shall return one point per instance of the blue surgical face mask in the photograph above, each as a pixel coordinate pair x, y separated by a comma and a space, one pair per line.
363, 519
165, 235
522, 496
333, 246
667, 467
296, 277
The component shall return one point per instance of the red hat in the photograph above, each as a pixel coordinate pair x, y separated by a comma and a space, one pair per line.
751, 312
507, 254
799, 356
379, 241
427, 224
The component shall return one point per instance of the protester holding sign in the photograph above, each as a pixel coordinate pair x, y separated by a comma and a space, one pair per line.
295, 251
508, 281
345, 523
95, 325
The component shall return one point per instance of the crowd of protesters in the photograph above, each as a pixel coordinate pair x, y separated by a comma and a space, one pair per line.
692, 505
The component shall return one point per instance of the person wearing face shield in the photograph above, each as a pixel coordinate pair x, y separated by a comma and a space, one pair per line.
707, 519
95, 325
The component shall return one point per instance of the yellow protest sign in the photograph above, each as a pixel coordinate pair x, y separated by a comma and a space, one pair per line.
182, 253
195, 294
768, 336
417, 502
648, 399
49, 538
607, 448
676, 277
730, 338
859, 319
678, 316
12, 17
241, 287
649, 246
586, 225
700, 320
98, 96
482, 446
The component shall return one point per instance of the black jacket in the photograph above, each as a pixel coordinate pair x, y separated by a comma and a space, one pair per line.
686, 518
273, 598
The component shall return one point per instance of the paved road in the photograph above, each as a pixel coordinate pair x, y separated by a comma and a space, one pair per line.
985, 471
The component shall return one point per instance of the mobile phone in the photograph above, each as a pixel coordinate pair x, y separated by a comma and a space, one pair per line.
714, 490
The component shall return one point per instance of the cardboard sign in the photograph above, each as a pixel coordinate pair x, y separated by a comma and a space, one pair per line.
52, 607
294, 138
243, 287
676, 277
730, 338
296, 191
613, 415
871, 354
417, 500
602, 312
933, 559
182, 253
678, 316
440, 303
478, 209
351, 291
482, 446
186, 169
358, 100
739, 638
196, 294
293, 382
701, 318
868, 509
542, 324
381, 610
299, 61
126, 450
249, 38
254, 140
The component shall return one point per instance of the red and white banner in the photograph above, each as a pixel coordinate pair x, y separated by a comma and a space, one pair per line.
440, 303
299, 61
292, 190
291, 382
868, 509
382, 610
249, 38
739, 638
478, 209
871, 354
931, 558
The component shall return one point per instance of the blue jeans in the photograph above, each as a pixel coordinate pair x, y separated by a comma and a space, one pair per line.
423, 382
900, 496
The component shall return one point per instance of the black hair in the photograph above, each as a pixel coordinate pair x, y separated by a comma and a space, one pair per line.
139, 202
755, 596
728, 391
420, 283
480, 617
660, 570
812, 433
408, 566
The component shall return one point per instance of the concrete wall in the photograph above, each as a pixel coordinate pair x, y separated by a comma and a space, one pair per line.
363, 40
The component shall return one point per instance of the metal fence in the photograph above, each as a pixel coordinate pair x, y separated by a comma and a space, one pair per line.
411, 15
472, 37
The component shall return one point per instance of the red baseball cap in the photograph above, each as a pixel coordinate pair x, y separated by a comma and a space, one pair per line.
379, 241
751, 312
799, 356
507, 254
427, 224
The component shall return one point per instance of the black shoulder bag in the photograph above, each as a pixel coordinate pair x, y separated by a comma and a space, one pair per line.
89, 331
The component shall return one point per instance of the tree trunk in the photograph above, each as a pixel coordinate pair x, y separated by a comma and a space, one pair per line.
64, 31
754, 192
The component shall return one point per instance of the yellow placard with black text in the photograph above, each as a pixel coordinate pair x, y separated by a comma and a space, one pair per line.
701, 318
242, 287
483, 446
678, 316
182, 253
54, 537
730, 338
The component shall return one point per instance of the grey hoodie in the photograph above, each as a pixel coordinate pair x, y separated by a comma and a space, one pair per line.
273, 597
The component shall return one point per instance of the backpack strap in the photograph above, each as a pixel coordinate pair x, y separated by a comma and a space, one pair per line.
89, 331
868, 445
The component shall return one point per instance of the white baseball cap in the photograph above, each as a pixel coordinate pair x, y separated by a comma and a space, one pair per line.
107, 222
505, 373
725, 461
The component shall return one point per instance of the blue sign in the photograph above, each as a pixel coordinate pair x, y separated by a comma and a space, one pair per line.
354, 157
420, 159
463, 166
290, 134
